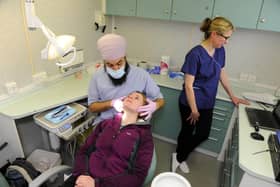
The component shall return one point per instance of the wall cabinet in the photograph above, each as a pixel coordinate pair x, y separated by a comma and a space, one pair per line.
270, 16
120, 7
167, 123
191, 10
250, 14
242, 13
157, 9
178, 10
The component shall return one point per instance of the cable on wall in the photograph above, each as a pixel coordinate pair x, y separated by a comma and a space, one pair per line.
27, 38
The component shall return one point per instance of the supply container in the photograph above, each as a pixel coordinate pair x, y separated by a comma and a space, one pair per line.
43, 160
164, 65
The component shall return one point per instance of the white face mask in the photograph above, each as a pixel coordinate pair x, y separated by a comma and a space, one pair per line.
116, 73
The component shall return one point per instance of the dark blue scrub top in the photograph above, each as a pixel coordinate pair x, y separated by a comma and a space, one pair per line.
206, 70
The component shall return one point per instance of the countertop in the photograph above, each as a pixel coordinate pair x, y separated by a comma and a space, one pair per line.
69, 88
258, 165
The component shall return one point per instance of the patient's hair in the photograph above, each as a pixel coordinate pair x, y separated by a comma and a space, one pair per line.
145, 102
144, 97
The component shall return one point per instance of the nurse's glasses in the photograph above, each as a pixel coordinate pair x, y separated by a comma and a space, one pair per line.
225, 37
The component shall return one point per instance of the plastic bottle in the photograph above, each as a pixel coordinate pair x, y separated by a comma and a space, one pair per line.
164, 65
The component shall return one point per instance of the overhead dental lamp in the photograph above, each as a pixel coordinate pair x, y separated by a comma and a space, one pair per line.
57, 47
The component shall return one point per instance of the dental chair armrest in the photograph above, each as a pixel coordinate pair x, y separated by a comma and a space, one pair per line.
47, 174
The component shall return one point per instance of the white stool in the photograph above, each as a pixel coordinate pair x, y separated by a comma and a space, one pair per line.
168, 179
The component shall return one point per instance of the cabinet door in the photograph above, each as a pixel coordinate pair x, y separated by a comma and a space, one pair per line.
158, 9
121, 7
270, 16
242, 13
166, 122
191, 10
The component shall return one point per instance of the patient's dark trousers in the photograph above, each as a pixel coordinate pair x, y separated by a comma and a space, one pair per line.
192, 135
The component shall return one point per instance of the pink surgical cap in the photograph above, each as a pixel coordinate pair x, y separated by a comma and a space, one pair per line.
111, 46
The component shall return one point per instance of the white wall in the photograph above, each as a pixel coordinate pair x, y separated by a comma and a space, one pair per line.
249, 51
20, 48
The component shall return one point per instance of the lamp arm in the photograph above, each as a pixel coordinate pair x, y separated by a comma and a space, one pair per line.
52, 38
34, 22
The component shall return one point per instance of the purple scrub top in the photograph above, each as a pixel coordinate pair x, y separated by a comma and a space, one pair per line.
206, 70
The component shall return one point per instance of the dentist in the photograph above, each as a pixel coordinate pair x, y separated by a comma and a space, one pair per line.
116, 79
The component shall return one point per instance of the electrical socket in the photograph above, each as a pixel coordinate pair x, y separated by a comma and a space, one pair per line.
39, 77
277, 92
252, 78
243, 76
11, 87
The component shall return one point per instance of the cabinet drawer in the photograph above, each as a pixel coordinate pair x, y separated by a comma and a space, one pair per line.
222, 114
218, 133
215, 140
221, 123
212, 144
226, 106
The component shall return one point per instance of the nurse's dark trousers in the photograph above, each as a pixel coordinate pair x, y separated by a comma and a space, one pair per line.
191, 135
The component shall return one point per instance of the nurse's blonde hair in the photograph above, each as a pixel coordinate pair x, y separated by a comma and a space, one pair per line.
218, 24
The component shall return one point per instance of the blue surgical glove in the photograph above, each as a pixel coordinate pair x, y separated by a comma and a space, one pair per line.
147, 110
117, 104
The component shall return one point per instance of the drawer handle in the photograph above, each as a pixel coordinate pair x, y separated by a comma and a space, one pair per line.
215, 129
213, 139
219, 119
226, 171
222, 109
220, 114
3, 146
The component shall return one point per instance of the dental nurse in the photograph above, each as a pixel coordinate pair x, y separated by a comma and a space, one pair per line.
204, 68
116, 79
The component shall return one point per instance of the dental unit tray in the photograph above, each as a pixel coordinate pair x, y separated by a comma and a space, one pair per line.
61, 120
60, 114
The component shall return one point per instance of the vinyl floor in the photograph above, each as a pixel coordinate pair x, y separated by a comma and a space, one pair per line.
204, 169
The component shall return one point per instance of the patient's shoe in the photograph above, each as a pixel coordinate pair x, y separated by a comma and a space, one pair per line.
175, 163
184, 167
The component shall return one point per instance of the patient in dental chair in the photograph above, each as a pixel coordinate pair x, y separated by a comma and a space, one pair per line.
119, 151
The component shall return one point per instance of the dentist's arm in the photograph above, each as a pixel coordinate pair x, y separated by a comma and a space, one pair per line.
106, 105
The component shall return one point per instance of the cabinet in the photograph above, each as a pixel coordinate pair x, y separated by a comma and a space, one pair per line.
120, 7
250, 14
230, 172
157, 9
191, 10
167, 123
179, 10
270, 16
242, 13
221, 117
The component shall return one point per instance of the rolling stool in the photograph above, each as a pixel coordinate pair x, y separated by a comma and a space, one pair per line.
168, 179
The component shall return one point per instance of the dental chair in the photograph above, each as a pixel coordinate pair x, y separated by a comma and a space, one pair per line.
63, 168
